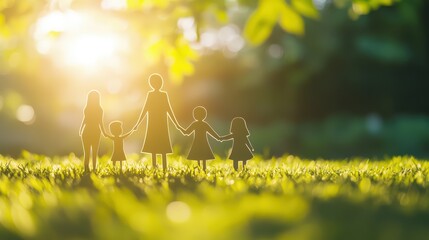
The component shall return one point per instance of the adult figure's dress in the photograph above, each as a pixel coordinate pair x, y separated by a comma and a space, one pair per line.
157, 110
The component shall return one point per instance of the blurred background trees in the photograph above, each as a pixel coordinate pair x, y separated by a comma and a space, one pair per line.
316, 78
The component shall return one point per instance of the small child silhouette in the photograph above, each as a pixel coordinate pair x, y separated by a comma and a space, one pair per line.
200, 150
118, 142
241, 148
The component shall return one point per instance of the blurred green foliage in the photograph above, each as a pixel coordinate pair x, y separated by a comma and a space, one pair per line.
345, 136
285, 198
316, 61
17, 17
262, 21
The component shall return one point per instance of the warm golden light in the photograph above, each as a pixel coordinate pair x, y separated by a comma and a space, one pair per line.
82, 41
89, 51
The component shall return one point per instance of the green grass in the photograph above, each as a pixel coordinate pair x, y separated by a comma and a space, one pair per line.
287, 198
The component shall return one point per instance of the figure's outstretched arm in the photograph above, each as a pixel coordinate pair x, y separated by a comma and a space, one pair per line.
142, 116
101, 125
227, 137
128, 133
213, 133
186, 131
171, 115
82, 125
182, 130
103, 131
249, 145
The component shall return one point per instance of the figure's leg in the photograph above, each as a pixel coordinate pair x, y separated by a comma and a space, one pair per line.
204, 164
154, 160
235, 165
86, 154
120, 166
199, 163
94, 156
244, 163
114, 163
164, 162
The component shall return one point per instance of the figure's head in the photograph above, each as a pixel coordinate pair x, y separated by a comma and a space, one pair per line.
93, 98
156, 81
200, 113
239, 126
116, 128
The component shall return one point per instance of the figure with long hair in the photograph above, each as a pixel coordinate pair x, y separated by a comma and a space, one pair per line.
157, 110
91, 128
241, 148
200, 150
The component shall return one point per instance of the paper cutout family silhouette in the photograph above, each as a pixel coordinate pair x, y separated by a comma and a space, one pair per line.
157, 110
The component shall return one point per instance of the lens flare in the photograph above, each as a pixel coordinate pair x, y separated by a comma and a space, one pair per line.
178, 212
25, 114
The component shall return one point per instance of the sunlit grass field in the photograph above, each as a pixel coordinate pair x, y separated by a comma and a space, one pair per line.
285, 198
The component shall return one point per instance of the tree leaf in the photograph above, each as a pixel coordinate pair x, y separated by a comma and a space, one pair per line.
134, 4
361, 8
290, 20
179, 68
221, 15
160, 3
260, 24
306, 8
156, 49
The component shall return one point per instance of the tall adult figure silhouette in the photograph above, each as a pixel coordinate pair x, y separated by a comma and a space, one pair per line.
157, 110
91, 128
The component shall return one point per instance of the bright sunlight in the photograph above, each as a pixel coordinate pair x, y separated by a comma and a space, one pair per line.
81, 41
